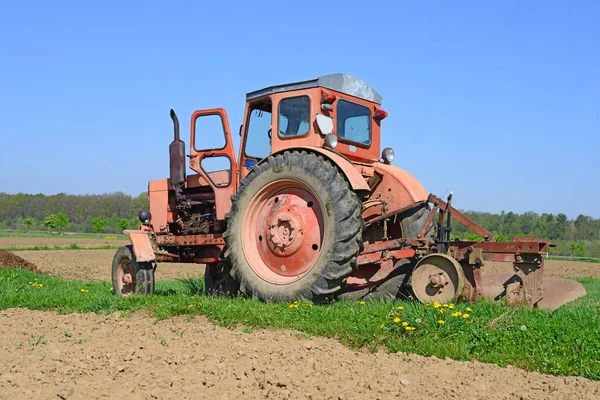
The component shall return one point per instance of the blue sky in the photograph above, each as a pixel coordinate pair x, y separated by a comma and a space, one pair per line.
498, 102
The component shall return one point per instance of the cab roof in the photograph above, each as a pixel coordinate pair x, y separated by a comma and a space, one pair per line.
343, 83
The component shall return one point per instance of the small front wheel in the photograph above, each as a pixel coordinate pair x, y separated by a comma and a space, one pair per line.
129, 276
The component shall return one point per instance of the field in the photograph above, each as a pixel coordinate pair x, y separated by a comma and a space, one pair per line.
206, 347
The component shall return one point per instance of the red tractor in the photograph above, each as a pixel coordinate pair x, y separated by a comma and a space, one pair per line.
313, 210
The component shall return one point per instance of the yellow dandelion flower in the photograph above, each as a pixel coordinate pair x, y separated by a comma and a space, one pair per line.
291, 305
409, 328
445, 305
40, 285
441, 322
396, 320
469, 309
191, 305
451, 306
457, 314
436, 305
441, 310
82, 290
400, 308
465, 316
362, 302
405, 323
381, 326
427, 305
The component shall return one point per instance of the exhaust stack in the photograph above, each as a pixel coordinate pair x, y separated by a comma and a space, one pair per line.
177, 157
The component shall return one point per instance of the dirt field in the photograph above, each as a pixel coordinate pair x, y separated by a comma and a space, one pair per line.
50, 356
62, 241
88, 356
95, 265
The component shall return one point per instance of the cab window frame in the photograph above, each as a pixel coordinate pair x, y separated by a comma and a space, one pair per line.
370, 126
279, 118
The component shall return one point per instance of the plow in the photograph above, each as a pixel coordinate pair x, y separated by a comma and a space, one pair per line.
313, 210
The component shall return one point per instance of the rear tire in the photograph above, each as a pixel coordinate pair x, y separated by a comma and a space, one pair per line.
311, 189
130, 277
218, 280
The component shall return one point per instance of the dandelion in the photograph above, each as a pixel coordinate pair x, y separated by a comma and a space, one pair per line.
82, 290
523, 328
191, 306
436, 305
451, 306
405, 324
362, 302
381, 326
441, 321
418, 320
457, 314
409, 328
441, 310
469, 309
396, 320
465, 316
445, 305
400, 308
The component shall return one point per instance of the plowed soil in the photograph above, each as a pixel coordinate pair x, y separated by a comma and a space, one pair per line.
62, 241
85, 356
95, 265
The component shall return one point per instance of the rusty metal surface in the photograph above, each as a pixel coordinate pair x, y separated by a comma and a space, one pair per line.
461, 218
142, 248
438, 277
190, 240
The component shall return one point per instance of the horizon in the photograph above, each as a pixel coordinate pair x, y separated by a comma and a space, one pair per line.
494, 102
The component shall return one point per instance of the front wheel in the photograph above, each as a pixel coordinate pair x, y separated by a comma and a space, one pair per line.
295, 229
129, 276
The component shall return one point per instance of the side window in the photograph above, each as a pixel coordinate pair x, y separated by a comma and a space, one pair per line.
209, 132
294, 116
258, 142
353, 123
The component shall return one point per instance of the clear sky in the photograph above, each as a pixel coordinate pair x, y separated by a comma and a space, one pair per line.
498, 102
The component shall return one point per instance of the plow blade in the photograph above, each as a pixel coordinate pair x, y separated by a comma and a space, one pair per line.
556, 292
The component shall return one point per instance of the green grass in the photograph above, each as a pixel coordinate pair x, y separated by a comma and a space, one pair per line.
72, 246
563, 342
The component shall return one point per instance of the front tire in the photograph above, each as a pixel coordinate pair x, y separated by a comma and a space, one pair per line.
294, 230
130, 277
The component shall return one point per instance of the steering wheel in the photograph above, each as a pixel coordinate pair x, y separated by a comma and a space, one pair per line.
270, 133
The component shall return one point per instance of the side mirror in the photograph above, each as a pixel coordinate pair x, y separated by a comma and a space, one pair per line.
325, 124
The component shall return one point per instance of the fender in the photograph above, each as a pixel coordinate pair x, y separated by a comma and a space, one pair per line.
142, 248
356, 180
397, 188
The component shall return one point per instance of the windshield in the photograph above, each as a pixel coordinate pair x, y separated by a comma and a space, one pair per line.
294, 116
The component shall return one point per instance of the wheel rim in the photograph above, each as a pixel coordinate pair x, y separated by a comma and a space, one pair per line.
438, 277
283, 231
125, 278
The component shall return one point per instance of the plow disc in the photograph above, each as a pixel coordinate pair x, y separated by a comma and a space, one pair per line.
555, 292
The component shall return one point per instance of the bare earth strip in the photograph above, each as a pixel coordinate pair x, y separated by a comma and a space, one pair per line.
62, 241
95, 265
85, 356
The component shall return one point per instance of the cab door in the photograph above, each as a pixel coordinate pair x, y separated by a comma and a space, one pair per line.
212, 155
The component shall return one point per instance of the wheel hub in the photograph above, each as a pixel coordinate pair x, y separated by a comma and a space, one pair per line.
285, 233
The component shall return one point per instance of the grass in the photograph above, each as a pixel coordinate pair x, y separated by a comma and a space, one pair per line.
586, 260
72, 246
21, 234
563, 342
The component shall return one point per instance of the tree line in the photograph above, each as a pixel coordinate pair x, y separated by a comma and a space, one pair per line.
108, 213
114, 212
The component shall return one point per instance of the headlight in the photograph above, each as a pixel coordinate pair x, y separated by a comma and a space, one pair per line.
388, 155
331, 140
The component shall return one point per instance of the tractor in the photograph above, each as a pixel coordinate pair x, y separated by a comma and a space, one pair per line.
313, 210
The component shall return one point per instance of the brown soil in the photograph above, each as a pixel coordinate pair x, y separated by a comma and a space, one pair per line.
8, 259
553, 268
62, 241
95, 265
85, 356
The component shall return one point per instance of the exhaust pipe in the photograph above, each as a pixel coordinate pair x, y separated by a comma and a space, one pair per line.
176, 157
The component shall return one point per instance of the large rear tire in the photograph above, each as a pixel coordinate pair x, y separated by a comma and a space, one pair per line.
129, 276
295, 229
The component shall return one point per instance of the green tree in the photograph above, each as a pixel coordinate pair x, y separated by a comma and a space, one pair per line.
98, 224
62, 220
123, 224
28, 223
50, 222
501, 238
